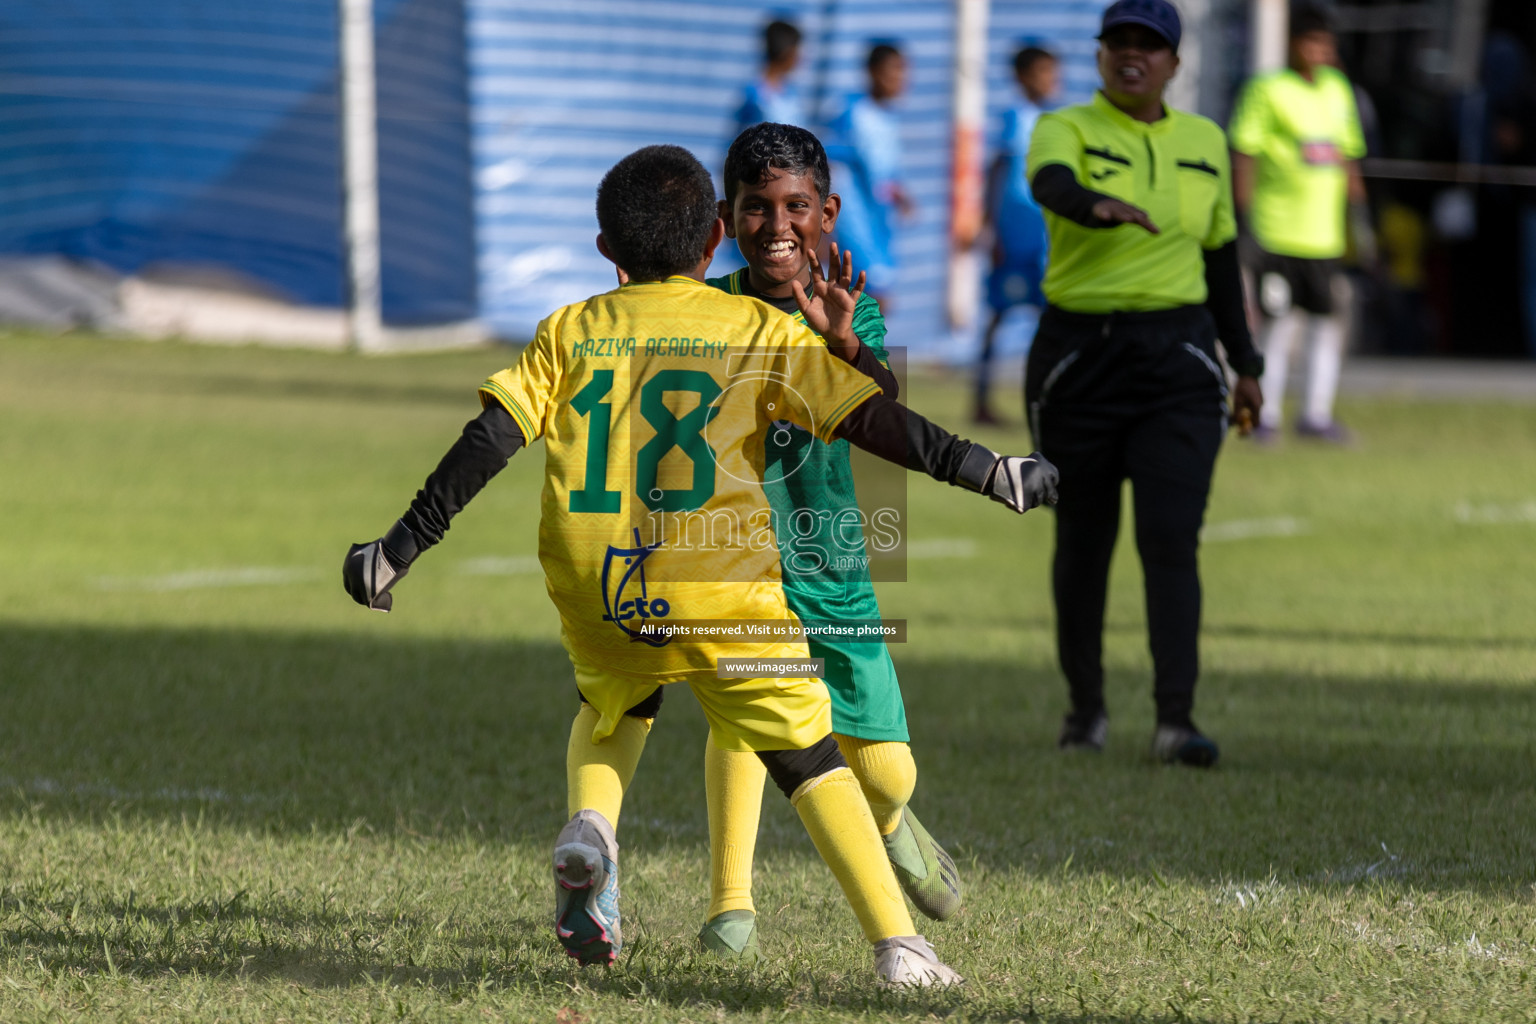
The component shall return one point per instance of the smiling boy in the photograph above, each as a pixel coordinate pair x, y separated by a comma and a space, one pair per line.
778, 206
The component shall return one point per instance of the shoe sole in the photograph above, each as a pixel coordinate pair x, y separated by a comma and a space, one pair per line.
1200, 757
921, 975
929, 979
1190, 755
580, 874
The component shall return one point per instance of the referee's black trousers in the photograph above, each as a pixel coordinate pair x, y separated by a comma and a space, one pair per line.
1136, 396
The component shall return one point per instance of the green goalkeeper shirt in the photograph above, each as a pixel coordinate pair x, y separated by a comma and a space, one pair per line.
816, 513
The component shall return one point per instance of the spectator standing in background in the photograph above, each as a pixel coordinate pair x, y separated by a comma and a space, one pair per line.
1123, 380
774, 97
864, 144
1297, 143
1018, 229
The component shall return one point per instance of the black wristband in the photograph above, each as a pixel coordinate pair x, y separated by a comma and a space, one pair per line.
976, 468
400, 545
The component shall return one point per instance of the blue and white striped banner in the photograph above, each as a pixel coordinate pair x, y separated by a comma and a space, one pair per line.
143, 132
559, 93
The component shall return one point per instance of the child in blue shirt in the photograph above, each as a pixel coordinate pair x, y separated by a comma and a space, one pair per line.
865, 144
1018, 250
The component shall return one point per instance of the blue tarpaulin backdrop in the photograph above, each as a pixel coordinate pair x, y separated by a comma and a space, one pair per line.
186, 132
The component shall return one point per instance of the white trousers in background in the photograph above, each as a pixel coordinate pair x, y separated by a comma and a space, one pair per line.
1325, 354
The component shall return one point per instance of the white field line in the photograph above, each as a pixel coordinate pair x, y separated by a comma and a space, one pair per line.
1246, 529
53, 787
1390, 865
942, 547
209, 579
1248, 895
521, 565
1513, 954
1469, 514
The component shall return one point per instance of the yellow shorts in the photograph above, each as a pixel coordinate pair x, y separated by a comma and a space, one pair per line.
743, 714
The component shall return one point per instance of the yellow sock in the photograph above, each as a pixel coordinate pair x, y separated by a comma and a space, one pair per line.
834, 811
886, 773
733, 788
597, 774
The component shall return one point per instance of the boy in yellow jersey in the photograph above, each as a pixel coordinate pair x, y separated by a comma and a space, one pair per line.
1297, 144
654, 401
778, 204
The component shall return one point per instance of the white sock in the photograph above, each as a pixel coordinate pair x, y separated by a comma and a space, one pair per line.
1277, 339
1324, 355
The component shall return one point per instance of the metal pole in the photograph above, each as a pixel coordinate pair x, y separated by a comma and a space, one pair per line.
819, 111
1271, 22
1185, 91
360, 177
967, 176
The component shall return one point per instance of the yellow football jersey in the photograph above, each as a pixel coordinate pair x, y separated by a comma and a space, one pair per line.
656, 402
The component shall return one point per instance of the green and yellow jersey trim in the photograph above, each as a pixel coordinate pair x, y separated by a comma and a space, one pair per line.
825, 429
524, 421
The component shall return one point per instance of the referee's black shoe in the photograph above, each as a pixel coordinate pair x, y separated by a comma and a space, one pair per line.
1184, 744
1083, 733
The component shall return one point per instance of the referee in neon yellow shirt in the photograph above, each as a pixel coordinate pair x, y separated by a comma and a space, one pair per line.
1123, 379
1297, 143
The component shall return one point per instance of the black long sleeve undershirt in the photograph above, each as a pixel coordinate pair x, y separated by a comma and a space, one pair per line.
1057, 189
883, 426
1224, 298
481, 452
869, 364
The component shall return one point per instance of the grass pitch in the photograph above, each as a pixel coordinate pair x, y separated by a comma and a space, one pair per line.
230, 794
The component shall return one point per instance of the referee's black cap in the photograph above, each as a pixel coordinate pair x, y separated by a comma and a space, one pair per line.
1158, 15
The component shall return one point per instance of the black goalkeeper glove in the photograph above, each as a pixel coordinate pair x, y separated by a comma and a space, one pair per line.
371, 570
1021, 482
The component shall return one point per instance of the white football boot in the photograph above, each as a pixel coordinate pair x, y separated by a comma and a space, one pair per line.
908, 961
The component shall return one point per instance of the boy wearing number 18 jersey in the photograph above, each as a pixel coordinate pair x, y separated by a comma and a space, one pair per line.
654, 401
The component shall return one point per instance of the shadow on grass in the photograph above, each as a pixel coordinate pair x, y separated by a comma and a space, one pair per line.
291, 732
245, 943
1325, 782
1240, 631
251, 940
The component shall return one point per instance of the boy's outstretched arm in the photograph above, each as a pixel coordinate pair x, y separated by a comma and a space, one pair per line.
887, 428
489, 440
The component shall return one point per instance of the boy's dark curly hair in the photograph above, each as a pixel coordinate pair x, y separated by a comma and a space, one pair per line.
779, 147
656, 208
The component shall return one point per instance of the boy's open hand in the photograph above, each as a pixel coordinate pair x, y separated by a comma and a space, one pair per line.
828, 310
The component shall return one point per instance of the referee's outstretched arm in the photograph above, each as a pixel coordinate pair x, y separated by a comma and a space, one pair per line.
1057, 189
